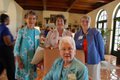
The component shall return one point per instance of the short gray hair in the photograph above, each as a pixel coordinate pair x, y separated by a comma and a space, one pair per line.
67, 39
86, 17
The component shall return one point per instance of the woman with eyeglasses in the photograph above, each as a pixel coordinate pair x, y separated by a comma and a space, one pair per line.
67, 67
91, 42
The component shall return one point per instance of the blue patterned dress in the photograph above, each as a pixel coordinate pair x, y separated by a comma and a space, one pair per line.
26, 44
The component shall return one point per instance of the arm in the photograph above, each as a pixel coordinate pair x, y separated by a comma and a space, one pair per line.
7, 41
49, 75
78, 37
20, 63
17, 49
18, 43
100, 48
47, 40
8, 38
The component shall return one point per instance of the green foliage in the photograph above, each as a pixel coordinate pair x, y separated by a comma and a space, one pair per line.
118, 19
106, 32
118, 43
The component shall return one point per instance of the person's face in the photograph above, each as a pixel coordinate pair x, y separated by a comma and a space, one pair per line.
85, 23
67, 51
59, 22
31, 20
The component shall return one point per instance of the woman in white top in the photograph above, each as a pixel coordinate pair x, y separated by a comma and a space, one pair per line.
54, 36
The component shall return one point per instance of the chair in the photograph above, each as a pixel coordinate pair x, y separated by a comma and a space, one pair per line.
51, 55
111, 59
109, 65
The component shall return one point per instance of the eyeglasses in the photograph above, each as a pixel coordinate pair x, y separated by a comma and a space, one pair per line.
67, 49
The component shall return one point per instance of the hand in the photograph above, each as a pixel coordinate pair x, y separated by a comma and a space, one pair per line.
20, 65
56, 45
49, 47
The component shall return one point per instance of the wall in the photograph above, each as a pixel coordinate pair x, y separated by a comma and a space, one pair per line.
14, 11
74, 19
48, 13
6, 4
13, 19
1, 6
110, 10
19, 15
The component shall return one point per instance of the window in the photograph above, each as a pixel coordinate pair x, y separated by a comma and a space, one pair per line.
102, 26
116, 32
102, 20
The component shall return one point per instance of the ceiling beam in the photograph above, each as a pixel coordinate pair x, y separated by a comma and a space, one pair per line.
73, 3
83, 7
33, 8
44, 5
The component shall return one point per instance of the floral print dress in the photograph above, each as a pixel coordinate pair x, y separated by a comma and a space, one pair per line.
26, 44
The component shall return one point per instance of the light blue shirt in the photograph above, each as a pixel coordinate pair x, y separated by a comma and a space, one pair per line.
77, 69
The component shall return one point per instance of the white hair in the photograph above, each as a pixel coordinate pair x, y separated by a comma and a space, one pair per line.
67, 39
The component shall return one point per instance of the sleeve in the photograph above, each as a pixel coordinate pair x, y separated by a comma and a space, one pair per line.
83, 74
75, 37
6, 32
17, 43
47, 41
78, 42
37, 38
49, 75
100, 48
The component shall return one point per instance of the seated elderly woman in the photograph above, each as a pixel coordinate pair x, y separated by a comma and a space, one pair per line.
67, 67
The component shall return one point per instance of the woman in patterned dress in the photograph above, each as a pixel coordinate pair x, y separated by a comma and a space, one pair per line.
26, 44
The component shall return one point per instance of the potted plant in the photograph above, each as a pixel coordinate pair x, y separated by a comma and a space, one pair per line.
118, 44
105, 33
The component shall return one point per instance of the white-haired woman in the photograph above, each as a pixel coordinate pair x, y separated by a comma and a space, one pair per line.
91, 42
67, 67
